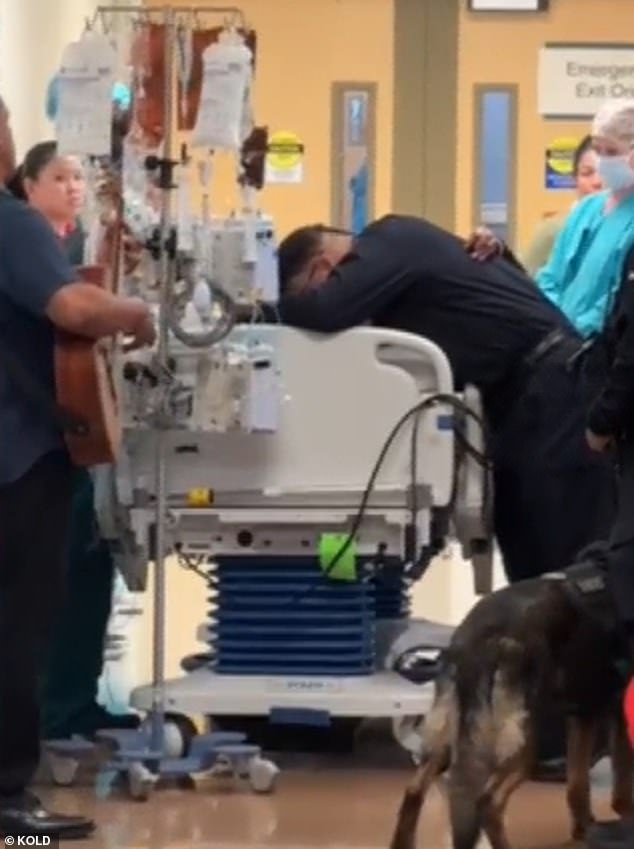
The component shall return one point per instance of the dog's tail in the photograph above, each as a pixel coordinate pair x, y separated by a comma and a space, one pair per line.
435, 758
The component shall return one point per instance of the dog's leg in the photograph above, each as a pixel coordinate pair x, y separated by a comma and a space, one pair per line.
496, 798
464, 808
436, 756
432, 765
622, 759
581, 740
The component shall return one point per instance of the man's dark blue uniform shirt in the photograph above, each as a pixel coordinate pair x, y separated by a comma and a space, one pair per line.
407, 274
33, 267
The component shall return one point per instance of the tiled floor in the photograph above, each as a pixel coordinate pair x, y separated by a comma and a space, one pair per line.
318, 809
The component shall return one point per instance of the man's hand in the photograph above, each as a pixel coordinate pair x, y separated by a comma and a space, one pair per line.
144, 334
483, 244
597, 443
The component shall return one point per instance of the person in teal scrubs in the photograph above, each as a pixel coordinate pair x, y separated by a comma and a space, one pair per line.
587, 266
584, 274
587, 181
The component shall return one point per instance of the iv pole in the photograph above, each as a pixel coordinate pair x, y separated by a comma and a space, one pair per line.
166, 249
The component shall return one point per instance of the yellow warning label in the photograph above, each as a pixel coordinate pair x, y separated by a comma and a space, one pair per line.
284, 158
200, 498
560, 155
560, 163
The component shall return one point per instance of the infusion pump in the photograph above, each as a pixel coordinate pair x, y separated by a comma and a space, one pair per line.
243, 257
236, 385
212, 382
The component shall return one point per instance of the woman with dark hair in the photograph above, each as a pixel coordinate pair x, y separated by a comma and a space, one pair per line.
587, 182
55, 186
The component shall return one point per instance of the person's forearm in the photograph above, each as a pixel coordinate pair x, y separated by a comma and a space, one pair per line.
88, 310
353, 295
119, 315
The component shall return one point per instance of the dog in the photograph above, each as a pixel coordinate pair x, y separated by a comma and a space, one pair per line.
521, 650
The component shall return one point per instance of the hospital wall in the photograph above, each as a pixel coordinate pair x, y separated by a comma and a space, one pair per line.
303, 47
503, 49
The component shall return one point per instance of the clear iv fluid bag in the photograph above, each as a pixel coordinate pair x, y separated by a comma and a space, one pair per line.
85, 81
225, 91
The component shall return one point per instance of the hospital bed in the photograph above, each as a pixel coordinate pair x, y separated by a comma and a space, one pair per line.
298, 428
309, 480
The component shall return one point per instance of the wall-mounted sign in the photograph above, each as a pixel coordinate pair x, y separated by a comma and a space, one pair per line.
508, 5
574, 80
560, 164
284, 159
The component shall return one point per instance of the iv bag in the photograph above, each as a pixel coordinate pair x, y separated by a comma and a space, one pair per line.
83, 124
225, 88
138, 213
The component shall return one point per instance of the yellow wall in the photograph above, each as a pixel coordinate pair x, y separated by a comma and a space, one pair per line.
304, 46
504, 49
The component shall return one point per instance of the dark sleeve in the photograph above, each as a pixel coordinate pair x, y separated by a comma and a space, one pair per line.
509, 256
34, 260
368, 279
609, 411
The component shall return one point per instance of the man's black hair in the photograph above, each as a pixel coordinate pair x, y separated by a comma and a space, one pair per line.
582, 148
298, 248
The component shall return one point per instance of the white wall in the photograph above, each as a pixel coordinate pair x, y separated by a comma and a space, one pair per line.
33, 34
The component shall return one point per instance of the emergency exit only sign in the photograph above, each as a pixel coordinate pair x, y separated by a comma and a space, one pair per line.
574, 80
508, 5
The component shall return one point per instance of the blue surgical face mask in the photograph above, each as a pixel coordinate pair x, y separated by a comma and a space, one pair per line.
616, 172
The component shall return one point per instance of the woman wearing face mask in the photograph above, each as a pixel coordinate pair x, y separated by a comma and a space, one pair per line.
587, 182
55, 185
588, 264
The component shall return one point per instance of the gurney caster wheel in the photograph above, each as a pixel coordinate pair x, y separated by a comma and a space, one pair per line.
140, 782
262, 775
179, 733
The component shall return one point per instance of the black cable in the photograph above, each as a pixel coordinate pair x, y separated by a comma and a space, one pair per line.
433, 400
411, 532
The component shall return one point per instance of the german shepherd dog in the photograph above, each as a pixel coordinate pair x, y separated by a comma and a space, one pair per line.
519, 651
